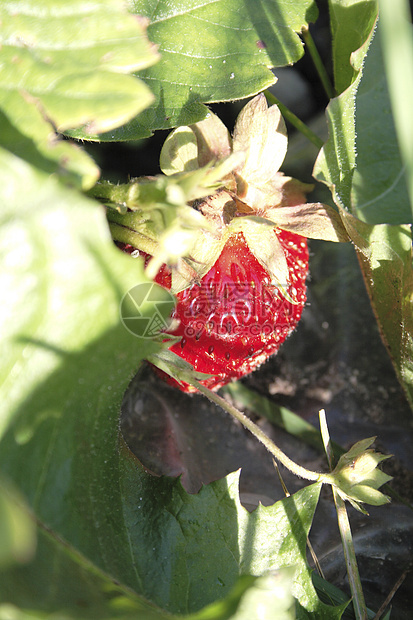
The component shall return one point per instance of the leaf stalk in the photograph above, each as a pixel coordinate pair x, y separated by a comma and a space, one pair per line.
277, 453
359, 603
131, 237
318, 63
294, 120
122, 194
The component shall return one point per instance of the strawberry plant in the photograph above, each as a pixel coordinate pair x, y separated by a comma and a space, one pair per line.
243, 273
212, 279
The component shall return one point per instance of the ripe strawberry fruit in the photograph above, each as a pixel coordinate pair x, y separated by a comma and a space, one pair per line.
241, 288
234, 318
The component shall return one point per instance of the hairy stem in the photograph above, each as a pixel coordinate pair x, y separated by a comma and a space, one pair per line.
123, 194
294, 120
298, 470
129, 236
359, 603
318, 63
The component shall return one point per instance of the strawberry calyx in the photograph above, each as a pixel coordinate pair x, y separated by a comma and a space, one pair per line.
226, 232
250, 197
255, 198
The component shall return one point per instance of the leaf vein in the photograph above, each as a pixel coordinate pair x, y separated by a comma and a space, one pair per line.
181, 13
384, 193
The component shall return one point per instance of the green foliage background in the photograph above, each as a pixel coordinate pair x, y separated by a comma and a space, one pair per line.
112, 541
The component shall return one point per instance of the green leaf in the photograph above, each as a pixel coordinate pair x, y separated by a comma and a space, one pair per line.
214, 51
56, 78
75, 75
336, 161
65, 365
379, 191
177, 542
206, 539
34, 140
386, 259
61, 579
397, 40
62, 279
351, 22
17, 529
366, 174
385, 251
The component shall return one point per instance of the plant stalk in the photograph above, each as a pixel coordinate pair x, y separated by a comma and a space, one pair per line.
292, 423
318, 63
131, 237
359, 603
296, 469
125, 194
294, 120
356, 588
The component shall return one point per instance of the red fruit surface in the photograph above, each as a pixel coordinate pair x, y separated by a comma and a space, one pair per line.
234, 319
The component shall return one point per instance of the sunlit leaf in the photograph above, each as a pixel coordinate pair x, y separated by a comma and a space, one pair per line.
379, 190
214, 51
384, 250
65, 66
351, 24
17, 528
397, 41
66, 362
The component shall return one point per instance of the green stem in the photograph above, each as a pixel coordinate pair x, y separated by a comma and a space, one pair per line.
294, 120
131, 237
318, 63
298, 470
359, 603
245, 398
123, 194
124, 227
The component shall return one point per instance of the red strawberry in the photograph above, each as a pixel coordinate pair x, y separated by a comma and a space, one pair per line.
241, 287
234, 319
